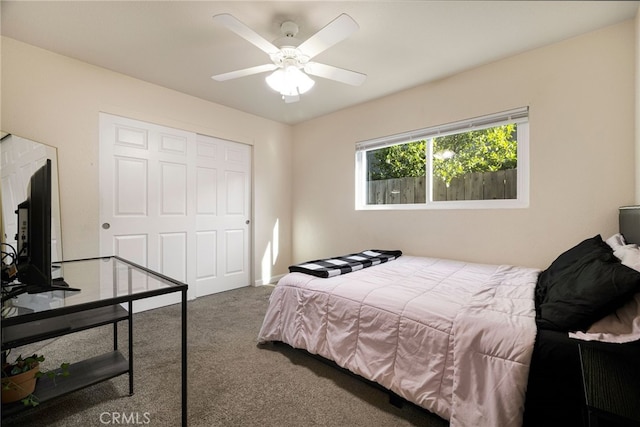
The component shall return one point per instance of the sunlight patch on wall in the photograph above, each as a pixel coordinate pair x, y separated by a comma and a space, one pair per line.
270, 255
266, 265
276, 242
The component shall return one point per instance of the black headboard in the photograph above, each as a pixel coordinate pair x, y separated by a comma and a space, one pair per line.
629, 222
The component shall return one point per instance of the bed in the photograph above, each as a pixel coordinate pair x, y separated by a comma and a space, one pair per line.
475, 344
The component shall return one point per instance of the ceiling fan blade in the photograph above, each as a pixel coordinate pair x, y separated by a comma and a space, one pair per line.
245, 32
334, 73
245, 72
335, 31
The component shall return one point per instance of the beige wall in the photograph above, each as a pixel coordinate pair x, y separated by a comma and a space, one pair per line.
581, 98
582, 112
637, 118
56, 100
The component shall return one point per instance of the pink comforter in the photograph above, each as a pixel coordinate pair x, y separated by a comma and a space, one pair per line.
453, 337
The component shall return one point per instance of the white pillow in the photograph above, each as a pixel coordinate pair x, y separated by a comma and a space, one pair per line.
616, 241
629, 255
624, 324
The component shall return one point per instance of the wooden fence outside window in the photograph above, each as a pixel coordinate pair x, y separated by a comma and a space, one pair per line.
473, 186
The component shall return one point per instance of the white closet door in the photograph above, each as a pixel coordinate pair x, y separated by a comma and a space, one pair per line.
223, 212
152, 189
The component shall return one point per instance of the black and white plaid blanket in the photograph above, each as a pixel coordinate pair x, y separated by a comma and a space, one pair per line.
330, 267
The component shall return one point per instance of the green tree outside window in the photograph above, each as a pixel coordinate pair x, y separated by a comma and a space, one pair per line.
485, 150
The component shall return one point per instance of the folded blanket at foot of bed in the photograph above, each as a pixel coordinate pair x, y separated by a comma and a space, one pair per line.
330, 267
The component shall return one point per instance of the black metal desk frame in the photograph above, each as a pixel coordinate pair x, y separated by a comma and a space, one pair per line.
21, 330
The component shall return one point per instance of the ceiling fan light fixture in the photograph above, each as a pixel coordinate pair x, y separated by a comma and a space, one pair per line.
289, 81
291, 59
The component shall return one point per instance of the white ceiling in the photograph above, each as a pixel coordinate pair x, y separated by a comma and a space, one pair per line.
400, 44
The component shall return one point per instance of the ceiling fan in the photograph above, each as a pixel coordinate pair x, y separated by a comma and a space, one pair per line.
291, 58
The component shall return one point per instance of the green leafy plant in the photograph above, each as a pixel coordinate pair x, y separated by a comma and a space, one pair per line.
21, 365
399, 161
456, 155
486, 150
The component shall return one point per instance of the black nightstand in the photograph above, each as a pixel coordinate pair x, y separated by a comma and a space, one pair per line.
611, 379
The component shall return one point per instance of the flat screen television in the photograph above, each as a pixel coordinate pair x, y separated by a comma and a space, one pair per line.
34, 238
37, 271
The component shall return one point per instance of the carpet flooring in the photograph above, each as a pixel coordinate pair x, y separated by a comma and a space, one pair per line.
231, 380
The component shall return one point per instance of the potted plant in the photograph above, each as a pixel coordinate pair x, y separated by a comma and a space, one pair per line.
19, 378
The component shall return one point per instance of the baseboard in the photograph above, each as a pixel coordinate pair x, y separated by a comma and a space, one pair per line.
272, 280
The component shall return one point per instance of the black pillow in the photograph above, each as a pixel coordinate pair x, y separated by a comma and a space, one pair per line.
565, 260
583, 285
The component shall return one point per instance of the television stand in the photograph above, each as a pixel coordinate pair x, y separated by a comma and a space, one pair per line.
59, 285
40, 289
19, 289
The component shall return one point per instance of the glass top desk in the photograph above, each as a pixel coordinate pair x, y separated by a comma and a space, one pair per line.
106, 285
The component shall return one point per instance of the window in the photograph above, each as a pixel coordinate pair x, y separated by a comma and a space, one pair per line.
480, 163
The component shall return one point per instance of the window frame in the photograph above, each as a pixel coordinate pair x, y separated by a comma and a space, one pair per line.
519, 116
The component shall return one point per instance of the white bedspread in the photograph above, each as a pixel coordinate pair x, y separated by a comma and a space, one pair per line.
455, 338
